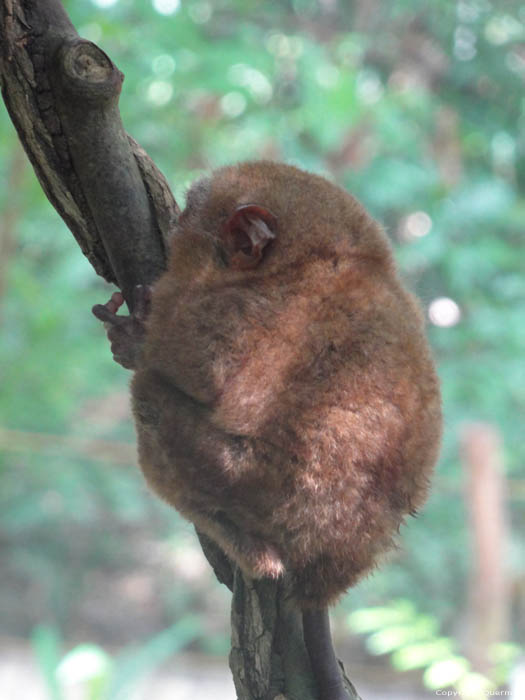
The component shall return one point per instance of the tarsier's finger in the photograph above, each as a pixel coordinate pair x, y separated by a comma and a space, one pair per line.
107, 312
141, 301
115, 302
103, 314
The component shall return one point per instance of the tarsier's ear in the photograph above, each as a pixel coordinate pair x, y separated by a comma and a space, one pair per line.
246, 234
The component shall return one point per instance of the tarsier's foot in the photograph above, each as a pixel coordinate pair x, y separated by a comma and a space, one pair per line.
126, 333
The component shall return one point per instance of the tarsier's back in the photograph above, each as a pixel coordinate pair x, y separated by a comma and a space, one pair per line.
287, 402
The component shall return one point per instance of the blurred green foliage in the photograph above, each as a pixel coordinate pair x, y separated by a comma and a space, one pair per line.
99, 675
419, 110
414, 642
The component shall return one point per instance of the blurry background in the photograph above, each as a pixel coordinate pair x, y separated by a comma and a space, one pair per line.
419, 110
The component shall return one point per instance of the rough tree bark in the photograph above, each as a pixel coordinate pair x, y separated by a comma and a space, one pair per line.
62, 95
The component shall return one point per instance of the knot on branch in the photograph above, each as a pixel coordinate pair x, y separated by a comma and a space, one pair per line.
87, 72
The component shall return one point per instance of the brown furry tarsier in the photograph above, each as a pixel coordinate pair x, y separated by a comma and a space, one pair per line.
284, 394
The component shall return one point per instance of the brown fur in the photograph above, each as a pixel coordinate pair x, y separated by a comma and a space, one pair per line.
291, 411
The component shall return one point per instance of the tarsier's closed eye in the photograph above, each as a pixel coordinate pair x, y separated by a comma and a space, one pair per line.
246, 234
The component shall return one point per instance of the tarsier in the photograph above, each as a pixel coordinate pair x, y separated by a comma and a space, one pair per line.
284, 394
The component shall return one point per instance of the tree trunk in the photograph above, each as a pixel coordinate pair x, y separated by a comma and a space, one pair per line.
488, 606
62, 93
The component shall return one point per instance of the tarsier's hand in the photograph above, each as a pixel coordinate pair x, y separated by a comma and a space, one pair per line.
126, 333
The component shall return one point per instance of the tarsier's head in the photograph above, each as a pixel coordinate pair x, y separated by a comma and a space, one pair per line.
262, 216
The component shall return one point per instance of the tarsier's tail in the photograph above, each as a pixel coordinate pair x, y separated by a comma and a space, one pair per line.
325, 667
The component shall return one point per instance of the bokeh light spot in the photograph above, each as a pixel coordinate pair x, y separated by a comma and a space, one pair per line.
444, 312
160, 92
415, 225
233, 104
166, 7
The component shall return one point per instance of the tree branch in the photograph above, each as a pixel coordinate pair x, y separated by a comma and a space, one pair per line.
62, 95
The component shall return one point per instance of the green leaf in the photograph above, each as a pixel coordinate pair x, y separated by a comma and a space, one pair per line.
449, 671
473, 686
396, 636
370, 619
88, 666
422, 654
46, 643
